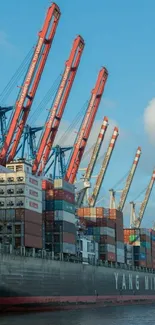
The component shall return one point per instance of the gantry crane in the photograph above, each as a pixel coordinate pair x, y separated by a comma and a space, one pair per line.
58, 106
30, 84
3, 126
89, 171
92, 199
136, 222
128, 183
86, 126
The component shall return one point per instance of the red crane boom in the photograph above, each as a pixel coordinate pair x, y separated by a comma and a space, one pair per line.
31, 82
58, 106
86, 126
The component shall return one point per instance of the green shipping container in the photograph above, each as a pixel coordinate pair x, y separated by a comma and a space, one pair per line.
133, 238
65, 206
96, 231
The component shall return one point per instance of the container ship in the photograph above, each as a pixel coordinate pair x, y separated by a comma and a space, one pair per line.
58, 247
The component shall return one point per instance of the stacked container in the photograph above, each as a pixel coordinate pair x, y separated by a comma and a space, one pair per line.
153, 247
48, 214
64, 217
145, 240
101, 229
117, 216
23, 205
129, 256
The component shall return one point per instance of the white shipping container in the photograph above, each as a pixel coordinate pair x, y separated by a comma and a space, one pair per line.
107, 231
120, 245
62, 184
2, 203
120, 259
129, 255
2, 178
60, 215
2, 190
28, 191
90, 237
128, 248
20, 166
11, 178
10, 190
120, 252
10, 202
27, 203
28, 179
129, 262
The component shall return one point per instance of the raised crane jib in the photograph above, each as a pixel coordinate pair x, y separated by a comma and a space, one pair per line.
30, 84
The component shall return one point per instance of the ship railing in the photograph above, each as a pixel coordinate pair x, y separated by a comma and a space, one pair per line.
45, 254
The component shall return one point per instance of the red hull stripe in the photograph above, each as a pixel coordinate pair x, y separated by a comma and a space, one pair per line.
71, 299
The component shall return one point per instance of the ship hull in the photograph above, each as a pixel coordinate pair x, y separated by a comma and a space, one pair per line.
31, 283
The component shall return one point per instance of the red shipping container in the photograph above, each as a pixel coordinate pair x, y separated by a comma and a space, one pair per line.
68, 238
33, 229
110, 257
33, 241
49, 195
107, 240
47, 184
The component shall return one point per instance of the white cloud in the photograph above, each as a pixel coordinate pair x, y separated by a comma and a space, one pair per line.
149, 120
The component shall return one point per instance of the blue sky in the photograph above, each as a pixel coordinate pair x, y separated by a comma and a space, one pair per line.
119, 35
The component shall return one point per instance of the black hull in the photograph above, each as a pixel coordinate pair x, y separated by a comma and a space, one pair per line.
35, 284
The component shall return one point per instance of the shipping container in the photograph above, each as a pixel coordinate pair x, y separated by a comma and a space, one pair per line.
65, 248
120, 252
107, 231
10, 202
62, 184
10, 215
47, 184
120, 259
49, 195
2, 215
31, 228
2, 178
64, 226
65, 206
69, 238
29, 204
2, 190
120, 245
107, 248
48, 216
24, 178
61, 215
49, 206
20, 166
107, 240
2, 203
110, 257
64, 195
32, 241
28, 191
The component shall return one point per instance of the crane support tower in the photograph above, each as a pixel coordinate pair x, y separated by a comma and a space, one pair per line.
129, 180
86, 126
94, 156
58, 106
136, 222
99, 180
30, 84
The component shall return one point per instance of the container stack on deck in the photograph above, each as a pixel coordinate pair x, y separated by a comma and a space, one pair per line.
22, 209
105, 226
153, 247
140, 239
48, 214
64, 217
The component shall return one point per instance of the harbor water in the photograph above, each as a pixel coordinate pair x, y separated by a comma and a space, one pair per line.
120, 315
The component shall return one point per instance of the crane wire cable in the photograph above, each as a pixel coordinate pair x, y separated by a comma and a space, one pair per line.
74, 123
39, 109
15, 78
